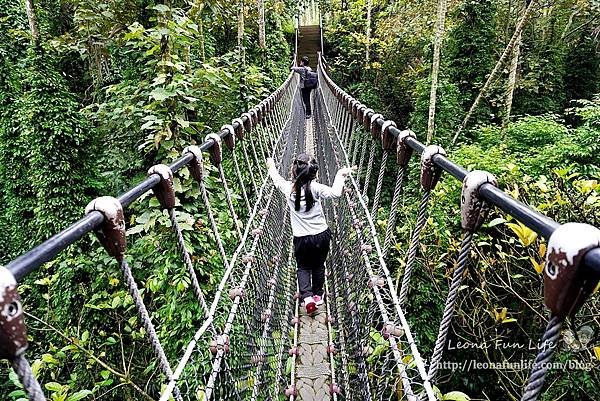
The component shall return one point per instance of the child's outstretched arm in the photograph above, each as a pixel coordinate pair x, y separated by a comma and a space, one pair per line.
335, 191
279, 182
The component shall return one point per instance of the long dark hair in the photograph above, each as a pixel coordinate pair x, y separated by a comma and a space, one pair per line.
304, 170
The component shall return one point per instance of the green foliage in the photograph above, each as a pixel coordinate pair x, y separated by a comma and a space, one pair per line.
471, 50
582, 77
543, 143
44, 135
446, 115
531, 134
541, 87
115, 88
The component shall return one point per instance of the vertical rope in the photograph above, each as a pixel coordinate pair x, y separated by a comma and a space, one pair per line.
230, 202
250, 169
363, 153
241, 182
259, 134
188, 261
414, 246
213, 223
461, 265
542, 360
255, 155
391, 222
379, 184
30, 384
351, 142
148, 326
369, 170
356, 147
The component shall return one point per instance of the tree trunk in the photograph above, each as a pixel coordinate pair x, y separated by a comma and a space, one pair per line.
512, 82
195, 15
262, 40
165, 46
497, 68
240, 34
33, 24
435, 68
241, 53
369, 7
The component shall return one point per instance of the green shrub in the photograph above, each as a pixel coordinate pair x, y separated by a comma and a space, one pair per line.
530, 133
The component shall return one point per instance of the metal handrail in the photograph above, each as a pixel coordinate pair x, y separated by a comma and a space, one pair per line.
46, 251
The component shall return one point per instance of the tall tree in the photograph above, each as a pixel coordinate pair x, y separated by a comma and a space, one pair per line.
262, 40
368, 33
33, 24
497, 68
240, 33
471, 46
435, 68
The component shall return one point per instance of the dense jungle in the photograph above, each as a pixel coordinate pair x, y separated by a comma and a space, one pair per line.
94, 93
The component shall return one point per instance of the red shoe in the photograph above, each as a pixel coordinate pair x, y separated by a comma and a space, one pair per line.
311, 306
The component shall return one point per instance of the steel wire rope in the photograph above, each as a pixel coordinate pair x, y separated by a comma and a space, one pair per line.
391, 221
191, 346
416, 355
378, 296
30, 384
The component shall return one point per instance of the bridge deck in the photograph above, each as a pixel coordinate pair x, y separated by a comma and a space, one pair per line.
313, 368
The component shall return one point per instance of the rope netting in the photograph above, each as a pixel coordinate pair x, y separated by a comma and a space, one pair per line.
368, 138
247, 347
373, 352
254, 304
378, 356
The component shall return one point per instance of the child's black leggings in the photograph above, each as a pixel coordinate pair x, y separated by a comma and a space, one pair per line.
311, 252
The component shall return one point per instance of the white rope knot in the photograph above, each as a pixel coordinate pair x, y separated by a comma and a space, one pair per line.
237, 292
376, 281
248, 258
392, 330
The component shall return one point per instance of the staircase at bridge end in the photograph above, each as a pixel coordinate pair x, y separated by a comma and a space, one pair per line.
309, 43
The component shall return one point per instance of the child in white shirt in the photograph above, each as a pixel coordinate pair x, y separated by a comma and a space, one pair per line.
309, 227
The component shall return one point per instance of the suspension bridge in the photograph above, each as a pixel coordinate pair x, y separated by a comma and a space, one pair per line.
255, 342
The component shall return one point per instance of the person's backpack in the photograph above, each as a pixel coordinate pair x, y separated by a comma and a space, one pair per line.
311, 79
